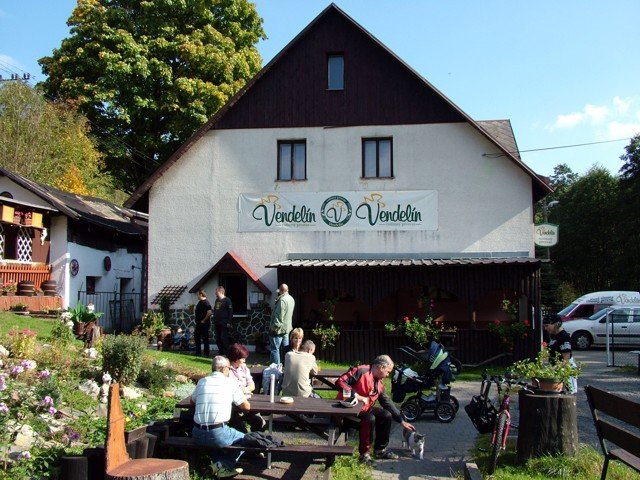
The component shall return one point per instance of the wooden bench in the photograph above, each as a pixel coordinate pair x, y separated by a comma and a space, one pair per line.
623, 411
118, 463
329, 452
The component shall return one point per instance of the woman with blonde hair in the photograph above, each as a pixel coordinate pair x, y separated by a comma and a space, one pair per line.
295, 341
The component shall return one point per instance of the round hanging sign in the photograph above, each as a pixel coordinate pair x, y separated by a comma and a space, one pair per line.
74, 267
107, 263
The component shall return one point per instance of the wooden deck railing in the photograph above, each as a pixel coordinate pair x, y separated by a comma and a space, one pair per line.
14, 272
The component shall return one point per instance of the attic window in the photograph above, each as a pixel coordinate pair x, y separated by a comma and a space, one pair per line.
335, 72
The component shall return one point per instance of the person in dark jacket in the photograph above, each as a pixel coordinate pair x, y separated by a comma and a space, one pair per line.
560, 345
222, 317
364, 383
203, 323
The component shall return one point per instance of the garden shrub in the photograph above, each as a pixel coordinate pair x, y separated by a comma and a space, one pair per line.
122, 357
157, 377
21, 344
62, 333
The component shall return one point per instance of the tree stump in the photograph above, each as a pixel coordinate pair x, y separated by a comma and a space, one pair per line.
548, 425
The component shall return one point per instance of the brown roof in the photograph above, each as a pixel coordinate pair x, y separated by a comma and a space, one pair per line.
540, 188
400, 262
230, 259
83, 207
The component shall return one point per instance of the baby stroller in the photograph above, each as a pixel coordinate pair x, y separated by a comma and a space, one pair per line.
439, 370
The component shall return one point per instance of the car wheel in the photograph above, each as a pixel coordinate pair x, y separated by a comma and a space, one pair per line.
581, 340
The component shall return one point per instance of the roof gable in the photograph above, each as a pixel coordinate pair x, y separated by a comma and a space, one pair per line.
380, 89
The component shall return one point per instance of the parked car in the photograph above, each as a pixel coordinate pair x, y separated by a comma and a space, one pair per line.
591, 303
624, 327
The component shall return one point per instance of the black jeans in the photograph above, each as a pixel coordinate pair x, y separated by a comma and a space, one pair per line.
201, 335
222, 338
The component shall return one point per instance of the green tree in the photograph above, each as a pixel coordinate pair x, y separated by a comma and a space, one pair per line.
586, 254
48, 142
629, 218
148, 73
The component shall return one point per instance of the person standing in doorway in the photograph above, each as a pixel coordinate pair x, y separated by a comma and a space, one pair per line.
222, 317
203, 323
281, 323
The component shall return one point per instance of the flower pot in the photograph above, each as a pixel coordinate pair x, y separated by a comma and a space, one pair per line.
548, 384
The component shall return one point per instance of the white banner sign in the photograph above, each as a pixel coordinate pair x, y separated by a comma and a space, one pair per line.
334, 211
545, 235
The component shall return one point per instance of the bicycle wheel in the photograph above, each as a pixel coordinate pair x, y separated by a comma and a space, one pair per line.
501, 425
411, 409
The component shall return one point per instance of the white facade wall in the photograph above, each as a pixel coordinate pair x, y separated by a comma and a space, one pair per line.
484, 204
123, 265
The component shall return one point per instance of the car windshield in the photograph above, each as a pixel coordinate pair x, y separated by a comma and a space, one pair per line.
566, 310
599, 314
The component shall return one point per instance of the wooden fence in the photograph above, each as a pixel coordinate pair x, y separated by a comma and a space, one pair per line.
470, 346
16, 272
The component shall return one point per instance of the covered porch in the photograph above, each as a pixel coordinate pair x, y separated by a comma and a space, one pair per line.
466, 294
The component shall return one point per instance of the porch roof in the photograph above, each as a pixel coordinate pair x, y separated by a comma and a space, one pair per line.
234, 260
400, 262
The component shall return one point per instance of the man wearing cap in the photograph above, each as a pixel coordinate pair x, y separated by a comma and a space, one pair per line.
560, 345
212, 398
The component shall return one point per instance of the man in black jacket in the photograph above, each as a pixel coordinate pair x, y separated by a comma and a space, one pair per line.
222, 317
203, 323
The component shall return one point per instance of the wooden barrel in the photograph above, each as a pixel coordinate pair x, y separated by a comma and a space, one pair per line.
26, 288
49, 288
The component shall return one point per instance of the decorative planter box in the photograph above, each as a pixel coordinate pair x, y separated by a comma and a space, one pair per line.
7, 213
36, 219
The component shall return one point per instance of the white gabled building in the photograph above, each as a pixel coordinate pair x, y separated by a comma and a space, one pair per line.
342, 172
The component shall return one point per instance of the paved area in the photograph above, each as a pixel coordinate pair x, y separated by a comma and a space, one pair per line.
448, 445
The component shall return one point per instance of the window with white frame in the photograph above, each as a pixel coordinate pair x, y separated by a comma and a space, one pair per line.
292, 160
377, 157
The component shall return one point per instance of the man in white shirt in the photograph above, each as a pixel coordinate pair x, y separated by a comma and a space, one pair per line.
212, 398
298, 368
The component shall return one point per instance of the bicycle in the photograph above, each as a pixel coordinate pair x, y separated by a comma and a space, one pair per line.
486, 418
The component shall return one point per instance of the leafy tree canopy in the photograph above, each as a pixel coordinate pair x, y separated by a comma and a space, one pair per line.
49, 143
588, 248
148, 73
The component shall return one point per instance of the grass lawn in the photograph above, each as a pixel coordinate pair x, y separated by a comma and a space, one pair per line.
10, 321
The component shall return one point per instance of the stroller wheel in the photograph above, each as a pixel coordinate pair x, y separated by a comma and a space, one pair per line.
455, 366
445, 412
454, 401
411, 410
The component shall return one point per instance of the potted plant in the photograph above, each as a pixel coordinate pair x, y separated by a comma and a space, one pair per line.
81, 316
152, 325
546, 372
9, 289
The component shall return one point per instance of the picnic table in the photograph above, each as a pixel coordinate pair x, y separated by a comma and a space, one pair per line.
323, 417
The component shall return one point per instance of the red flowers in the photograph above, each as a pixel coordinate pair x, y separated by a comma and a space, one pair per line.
544, 344
406, 319
526, 323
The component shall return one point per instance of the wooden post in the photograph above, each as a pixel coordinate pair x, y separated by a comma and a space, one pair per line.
548, 425
74, 468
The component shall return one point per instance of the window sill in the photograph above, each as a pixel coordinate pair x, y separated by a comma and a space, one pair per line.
291, 181
377, 178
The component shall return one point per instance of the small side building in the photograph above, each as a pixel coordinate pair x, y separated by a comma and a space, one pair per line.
86, 249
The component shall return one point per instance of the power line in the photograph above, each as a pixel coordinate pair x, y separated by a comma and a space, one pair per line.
497, 155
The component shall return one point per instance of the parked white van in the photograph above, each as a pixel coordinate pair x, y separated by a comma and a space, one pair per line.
587, 305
